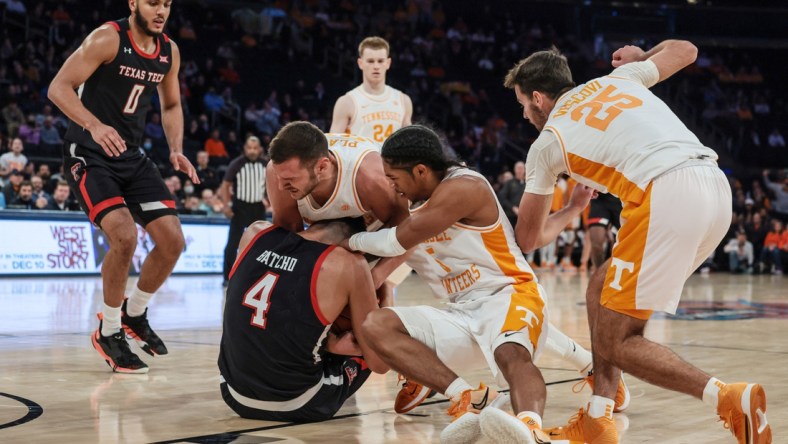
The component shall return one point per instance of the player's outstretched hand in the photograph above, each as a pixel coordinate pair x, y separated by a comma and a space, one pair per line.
627, 54
182, 164
109, 139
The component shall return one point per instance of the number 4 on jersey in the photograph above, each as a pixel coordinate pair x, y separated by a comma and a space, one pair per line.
258, 298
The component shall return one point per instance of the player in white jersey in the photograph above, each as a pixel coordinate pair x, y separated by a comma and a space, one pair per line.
373, 109
461, 243
314, 176
615, 136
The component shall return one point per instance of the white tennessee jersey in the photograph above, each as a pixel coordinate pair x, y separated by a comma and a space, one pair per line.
349, 152
614, 135
376, 116
466, 262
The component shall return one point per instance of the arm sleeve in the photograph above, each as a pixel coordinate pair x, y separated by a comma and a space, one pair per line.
645, 73
544, 163
381, 243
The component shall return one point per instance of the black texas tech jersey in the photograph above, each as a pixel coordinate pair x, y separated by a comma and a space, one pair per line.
119, 93
273, 328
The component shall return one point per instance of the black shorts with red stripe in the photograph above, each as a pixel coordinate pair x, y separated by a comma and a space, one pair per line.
342, 377
605, 211
103, 184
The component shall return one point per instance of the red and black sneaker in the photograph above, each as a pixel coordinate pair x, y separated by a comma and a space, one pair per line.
116, 352
137, 328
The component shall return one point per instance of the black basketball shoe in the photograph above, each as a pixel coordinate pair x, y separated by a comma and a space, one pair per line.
137, 328
116, 352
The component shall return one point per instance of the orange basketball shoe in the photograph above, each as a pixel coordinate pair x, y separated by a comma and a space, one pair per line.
582, 428
411, 395
622, 394
742, 408
465, 427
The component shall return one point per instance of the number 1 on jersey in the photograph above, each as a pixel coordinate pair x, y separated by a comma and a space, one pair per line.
134, 99
258, 296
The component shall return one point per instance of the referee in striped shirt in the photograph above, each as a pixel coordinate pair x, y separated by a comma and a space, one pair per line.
244, 182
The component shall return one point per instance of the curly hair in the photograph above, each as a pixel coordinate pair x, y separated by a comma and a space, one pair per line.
413, 145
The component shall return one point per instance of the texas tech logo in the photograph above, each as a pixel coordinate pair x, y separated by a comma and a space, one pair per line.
351, 373
75, 171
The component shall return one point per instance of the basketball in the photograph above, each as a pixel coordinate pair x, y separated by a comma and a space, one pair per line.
342, 323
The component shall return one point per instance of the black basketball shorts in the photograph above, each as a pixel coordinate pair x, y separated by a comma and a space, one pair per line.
342, 377
605, 211
103, 184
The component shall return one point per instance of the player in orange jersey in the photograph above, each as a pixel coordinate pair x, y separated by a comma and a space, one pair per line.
614, 135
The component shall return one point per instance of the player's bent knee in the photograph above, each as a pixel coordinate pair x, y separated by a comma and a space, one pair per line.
174, 246
381, 323
605, 351
123, 240
509, 354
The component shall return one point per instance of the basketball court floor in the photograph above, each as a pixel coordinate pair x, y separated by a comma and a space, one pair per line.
55, 388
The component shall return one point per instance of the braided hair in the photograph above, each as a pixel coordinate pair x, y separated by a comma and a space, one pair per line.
413, 145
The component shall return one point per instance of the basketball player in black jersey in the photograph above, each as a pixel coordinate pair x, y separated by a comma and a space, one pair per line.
105, 89
605, 213
278, 358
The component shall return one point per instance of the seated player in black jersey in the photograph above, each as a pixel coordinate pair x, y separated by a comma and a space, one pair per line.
279, 358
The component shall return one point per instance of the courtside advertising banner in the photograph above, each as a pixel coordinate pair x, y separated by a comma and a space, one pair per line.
58, 247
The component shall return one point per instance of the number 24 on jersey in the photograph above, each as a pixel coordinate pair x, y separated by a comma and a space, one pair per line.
382, 132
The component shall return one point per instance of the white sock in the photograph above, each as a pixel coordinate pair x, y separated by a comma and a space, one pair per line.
137, 302
456, 388
532, 415
562, 345
600, 406
111, 320
712, 391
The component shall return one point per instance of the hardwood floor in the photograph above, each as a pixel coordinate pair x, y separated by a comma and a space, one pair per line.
55, 388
